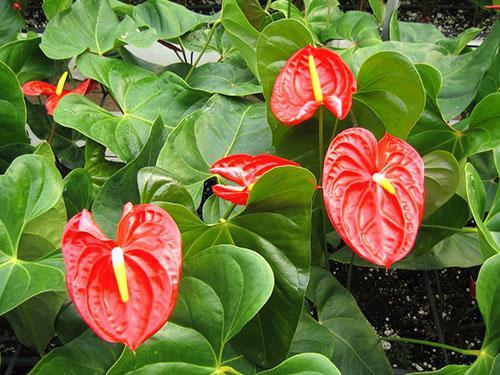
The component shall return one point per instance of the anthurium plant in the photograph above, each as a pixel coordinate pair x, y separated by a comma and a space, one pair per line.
183, 216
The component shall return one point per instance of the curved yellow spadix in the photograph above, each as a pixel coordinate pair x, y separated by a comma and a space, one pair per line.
316, 84
381, 180
120, 272
60, 83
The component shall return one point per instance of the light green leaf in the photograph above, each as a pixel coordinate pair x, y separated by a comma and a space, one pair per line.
12, 22
141, 96
241, 32
53, 7
224, 79
358, 27
308, 363
34, 186
168, 19
224, 126
321, 16
416, 32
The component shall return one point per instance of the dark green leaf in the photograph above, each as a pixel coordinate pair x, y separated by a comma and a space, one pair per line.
357, 349
78, 191
121, 187
12, 108
86, 355
33, 320
312, 336
12, 22
390, 88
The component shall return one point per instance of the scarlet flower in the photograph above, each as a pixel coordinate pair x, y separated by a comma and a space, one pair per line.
54, 93
497, 7
124, 289
312, 77
244, 170
374, 194
16, 6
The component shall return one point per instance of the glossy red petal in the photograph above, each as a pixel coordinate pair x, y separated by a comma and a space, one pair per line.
231, 167
497, 7
151, 244
52, 102
234, 194
377, 225
261, 164
293, 101
34, 88
83, 88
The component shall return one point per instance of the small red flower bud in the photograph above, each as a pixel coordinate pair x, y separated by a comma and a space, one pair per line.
16, 6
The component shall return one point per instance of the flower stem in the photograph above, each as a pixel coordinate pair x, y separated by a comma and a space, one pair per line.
476, 353
335, 126
289, 10
209, 39
321, 158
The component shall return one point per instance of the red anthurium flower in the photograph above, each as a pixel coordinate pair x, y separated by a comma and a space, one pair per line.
374, 194
124, 289
16, 6
312, 77
497, 7
244, 170
54, 93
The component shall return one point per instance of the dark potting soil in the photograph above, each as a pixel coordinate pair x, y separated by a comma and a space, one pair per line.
435, 306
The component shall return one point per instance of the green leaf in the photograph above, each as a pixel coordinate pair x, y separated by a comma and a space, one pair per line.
53, 7
44, 149
416, 32
308, 363
312, 336
476, 196
390, 89
378, 8
215, 208
357, 348
457, 45
156, 185
491, 80
11, 151
197, 39
86, 355
486, 117
33, 186
12, 108
78, 192
26, 60
321, 16
219, 304
96, 164
69, 325
65, 142
441, 179
224, 126
224, 79
168, 19
241, 32
88, 25
211, 309
281, 200
11, 24
33, 320
141, 96
484, 163
121, 187
358, 27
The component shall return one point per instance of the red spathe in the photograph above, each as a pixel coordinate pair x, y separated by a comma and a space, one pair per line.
378, 226
151, 243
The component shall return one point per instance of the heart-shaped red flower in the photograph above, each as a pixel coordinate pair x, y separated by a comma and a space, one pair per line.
55, 93
374, 194
125, 290
312, 77
243, 170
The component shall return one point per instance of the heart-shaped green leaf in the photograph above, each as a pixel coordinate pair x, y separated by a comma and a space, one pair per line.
281, 200
141, 96
224, 126
34, 186
308, 363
